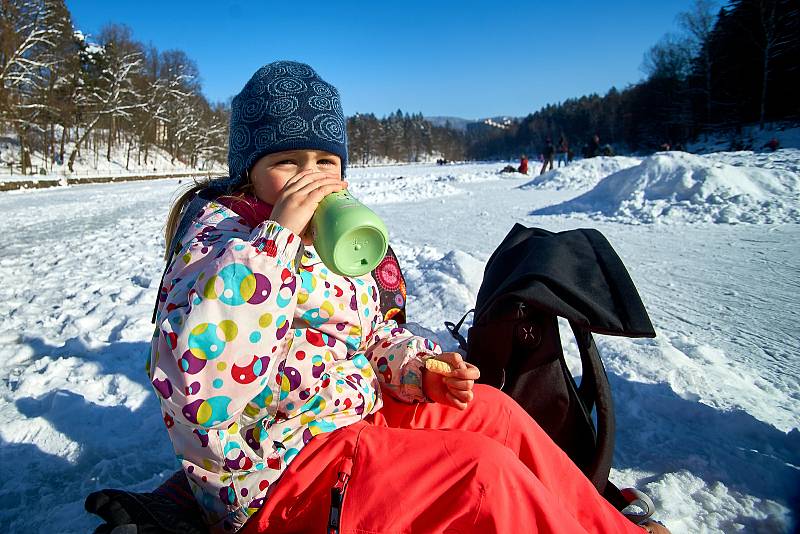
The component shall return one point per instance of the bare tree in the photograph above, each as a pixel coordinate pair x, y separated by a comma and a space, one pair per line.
107, 89
670, 57
698, 24
774, 42
117, 41
29, 33
55, 83
769, 26
158, 94
210, 140
169, 78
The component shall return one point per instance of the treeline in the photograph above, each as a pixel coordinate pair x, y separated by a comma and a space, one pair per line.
401, 137
723, 69
62, 94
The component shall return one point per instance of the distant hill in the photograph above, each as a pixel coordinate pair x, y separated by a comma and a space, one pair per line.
456, 123
463, 125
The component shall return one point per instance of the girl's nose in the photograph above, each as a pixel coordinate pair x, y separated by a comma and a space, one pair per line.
310, 165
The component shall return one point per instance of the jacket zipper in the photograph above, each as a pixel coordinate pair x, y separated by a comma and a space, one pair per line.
337, 496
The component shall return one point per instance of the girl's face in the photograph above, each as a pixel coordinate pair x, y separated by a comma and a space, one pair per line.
270, 174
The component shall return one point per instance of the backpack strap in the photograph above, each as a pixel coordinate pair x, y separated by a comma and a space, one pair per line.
615, 496
489, 347
491, 343
595, 392
454, 330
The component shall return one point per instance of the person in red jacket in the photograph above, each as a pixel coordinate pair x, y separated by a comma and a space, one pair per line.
523, 164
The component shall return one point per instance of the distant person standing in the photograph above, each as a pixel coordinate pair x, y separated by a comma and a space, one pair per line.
563, 151
547, 155
593, 148
523, 164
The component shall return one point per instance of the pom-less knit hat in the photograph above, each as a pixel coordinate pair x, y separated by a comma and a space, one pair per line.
284, 106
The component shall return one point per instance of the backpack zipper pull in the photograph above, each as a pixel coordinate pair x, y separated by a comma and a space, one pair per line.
337, 498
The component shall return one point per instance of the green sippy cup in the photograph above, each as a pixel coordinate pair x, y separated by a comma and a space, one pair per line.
349, 237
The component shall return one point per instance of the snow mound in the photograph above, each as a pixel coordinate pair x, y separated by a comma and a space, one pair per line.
682, 187
581, 174
442, 285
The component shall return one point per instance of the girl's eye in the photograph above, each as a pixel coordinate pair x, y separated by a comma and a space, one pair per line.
285, 162
327, 162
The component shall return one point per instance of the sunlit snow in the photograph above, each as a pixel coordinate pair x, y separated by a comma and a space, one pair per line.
707, 413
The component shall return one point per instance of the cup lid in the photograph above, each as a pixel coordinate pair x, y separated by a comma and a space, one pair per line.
359, 251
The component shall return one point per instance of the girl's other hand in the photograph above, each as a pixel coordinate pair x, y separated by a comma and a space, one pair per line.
454, 388
300, 197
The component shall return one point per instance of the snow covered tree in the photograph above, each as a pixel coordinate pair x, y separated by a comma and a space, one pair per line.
57, 83
158, 90
105, 88
118, 43
30, 33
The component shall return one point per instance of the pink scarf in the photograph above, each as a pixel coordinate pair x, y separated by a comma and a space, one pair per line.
248, 207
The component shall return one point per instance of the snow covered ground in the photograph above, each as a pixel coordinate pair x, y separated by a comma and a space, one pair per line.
708, 413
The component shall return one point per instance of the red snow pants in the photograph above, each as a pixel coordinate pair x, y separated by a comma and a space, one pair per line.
427, 468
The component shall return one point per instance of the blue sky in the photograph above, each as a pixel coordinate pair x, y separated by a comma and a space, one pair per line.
469, 59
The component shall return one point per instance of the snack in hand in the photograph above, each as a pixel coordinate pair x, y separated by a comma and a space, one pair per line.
438, 366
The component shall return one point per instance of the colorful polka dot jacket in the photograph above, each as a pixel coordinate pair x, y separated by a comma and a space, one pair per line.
259, 347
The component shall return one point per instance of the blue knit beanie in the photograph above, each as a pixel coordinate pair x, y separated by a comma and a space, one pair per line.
284, 106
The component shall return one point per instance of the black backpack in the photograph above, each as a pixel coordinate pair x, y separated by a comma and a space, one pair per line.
534, 277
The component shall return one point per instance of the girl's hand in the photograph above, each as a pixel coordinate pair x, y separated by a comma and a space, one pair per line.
454, 388
301, 195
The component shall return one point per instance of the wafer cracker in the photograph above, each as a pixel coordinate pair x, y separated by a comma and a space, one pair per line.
438, 366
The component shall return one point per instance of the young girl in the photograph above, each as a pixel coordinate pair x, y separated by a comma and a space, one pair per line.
293, 404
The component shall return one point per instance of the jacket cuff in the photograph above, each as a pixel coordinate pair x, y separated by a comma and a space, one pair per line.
277, 242
411, 378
